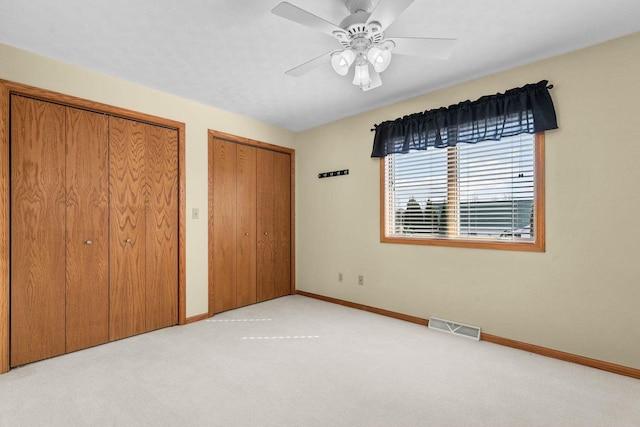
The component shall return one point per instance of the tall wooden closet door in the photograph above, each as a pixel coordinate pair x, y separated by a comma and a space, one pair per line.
224, 216
282, 223
127, 228
274, 224
246, 226
161, 163
37, 230
265, 220
87, 181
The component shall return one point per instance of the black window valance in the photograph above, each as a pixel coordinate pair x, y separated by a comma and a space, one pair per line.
528, 109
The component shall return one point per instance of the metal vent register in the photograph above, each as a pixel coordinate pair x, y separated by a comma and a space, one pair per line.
454, 328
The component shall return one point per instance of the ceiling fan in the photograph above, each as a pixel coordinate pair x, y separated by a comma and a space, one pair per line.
361, 35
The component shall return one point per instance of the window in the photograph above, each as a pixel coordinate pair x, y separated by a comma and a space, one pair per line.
485, 195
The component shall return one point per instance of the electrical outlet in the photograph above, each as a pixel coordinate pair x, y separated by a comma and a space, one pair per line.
361, 280
195, 213
339, 277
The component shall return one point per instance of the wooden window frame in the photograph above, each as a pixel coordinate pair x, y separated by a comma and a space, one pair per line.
8, 88
539, 214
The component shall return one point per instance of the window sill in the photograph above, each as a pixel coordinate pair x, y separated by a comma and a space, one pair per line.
471, 244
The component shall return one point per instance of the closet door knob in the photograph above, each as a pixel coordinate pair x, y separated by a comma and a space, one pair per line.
128, 240
89, 242
246, 234
265, 233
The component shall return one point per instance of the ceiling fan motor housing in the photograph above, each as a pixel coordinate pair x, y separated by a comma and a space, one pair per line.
355, 32
358, 34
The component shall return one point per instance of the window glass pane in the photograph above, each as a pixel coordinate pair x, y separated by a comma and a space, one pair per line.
496, 188
418, 184
482, 191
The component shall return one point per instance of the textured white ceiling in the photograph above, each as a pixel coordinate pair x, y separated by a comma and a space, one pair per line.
232, 54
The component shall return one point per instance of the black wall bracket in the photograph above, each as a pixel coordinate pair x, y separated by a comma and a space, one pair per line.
333, 173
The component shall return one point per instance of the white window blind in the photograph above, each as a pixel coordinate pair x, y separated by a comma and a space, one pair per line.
482, 191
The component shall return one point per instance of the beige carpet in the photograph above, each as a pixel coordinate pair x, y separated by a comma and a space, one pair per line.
297, 361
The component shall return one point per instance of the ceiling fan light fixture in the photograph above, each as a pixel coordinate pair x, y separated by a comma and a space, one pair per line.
361, 77
380, 55
375, 82
379, 58
341, 61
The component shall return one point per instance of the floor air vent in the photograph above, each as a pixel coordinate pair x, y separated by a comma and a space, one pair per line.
450, 327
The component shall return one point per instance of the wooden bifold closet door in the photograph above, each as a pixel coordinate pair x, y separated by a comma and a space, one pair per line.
59, 237
234, 225
127, 228
245, 225
87, 178
143, 291
94, 228
37, 230
274, 224
250, 223
161, 287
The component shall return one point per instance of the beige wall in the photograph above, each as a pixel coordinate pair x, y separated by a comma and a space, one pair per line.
581, 296
24, 67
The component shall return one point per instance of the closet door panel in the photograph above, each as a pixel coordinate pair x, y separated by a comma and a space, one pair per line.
37, 230
246, 225
87, 246
127, 228
282, 223
161, 165
224, 225
265, 238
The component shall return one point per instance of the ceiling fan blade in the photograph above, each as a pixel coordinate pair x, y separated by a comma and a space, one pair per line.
425, 47
309, 65
294, 13
387, 11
